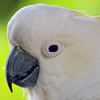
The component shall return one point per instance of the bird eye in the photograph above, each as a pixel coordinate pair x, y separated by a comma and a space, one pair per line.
52, 48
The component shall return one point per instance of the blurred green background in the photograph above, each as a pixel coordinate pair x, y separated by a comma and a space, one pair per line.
7, 9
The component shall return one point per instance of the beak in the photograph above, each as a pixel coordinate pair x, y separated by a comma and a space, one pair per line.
21, 69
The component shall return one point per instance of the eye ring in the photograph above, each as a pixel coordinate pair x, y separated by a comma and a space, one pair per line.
52, 48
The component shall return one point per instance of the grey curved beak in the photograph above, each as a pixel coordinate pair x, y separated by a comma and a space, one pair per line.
21, 69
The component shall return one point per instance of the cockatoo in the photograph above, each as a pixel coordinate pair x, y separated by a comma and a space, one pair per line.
55, 53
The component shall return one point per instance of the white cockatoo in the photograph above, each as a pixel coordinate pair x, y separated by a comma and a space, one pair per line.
55, 53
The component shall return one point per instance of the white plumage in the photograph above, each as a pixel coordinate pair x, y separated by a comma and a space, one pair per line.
71, 73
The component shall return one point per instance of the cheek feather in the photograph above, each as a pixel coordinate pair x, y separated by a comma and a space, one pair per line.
77, 59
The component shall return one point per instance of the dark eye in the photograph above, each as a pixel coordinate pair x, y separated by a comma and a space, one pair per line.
53, 48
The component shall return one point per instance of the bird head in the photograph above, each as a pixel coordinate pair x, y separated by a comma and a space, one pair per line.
54, 51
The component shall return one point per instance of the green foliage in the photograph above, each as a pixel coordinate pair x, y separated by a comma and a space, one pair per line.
7, 9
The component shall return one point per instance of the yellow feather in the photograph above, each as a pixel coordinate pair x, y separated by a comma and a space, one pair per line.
85, 15
81, 14
97, 17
